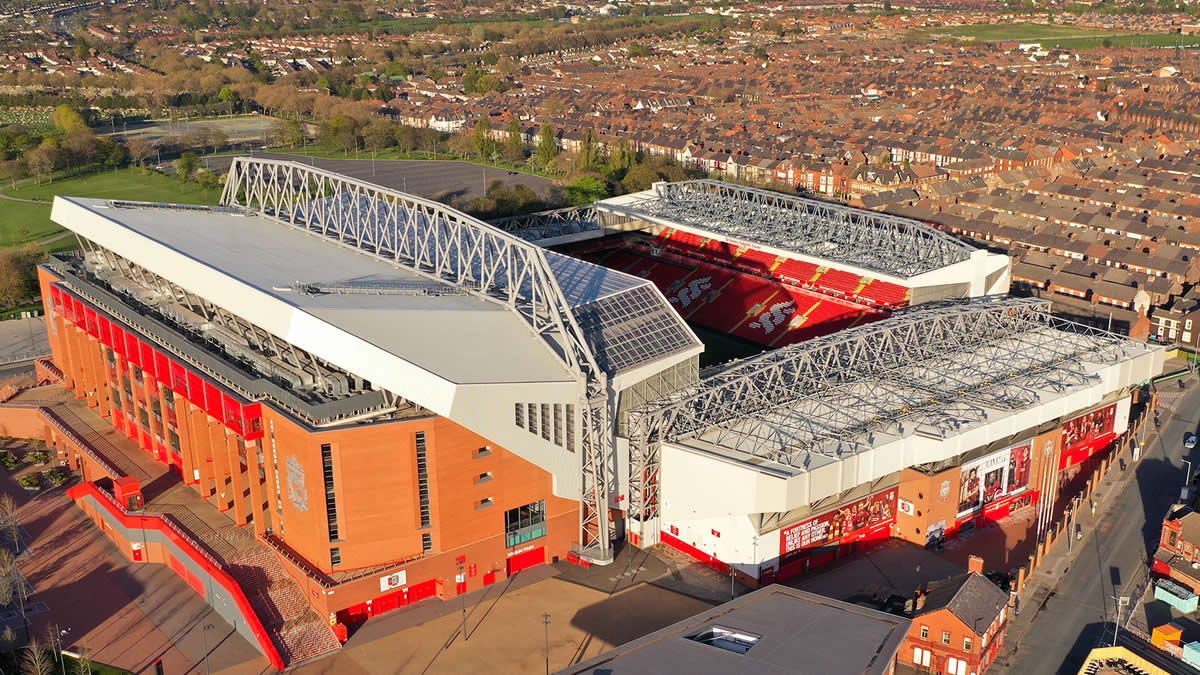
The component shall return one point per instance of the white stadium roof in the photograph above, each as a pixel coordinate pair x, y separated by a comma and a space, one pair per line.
251, 265
900, 247
925, 385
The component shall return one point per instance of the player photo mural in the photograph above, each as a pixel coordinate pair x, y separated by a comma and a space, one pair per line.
1087, 427
989, 478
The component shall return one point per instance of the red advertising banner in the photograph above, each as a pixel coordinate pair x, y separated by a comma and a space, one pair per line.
832, 526
1086, 434
1089, 427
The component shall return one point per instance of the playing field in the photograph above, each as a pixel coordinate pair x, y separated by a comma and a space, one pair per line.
1069, 37
23, 222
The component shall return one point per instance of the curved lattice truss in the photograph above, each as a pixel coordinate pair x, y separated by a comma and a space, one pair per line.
549, 224
932, 369
876, 241
446, 245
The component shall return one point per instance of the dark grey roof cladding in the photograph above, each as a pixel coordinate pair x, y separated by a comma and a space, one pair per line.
799, 633
970, 597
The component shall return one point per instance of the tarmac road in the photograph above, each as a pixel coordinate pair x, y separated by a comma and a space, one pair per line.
424, 178
1074, 618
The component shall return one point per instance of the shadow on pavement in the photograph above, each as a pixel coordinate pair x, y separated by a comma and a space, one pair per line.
1088, 639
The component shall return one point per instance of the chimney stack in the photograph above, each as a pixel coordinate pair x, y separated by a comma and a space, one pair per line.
975, 564
920, 603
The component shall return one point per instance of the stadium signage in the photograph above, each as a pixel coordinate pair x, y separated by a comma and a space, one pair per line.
847, 520
393, 580
519, 550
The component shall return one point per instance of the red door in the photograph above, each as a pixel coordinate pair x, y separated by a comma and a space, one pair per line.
137, 555
384, 604
489, 578
526, 560
421, 591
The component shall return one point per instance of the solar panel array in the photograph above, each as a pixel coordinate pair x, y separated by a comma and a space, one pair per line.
632, 328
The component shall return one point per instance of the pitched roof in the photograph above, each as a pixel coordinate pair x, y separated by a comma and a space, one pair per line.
970, 597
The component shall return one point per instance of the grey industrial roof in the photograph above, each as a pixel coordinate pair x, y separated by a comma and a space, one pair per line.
797, 632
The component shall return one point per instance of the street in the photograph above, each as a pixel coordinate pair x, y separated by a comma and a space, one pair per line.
1112, 558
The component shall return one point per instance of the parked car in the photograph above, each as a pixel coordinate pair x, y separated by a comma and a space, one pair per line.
1189, 440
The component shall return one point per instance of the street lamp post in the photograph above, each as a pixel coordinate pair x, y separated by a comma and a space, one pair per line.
1188, 479
546, 621
59, 635
1122, 603
204, 635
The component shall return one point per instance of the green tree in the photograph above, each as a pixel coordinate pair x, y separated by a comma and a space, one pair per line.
547, 146
292, 133
67, 118
186, 165
481, 138
471, 78
340, 131
209, 180
759, 53
514, 145
228, 95
640, 177
623, 158
637, 49
396, 69
586, 190
588, 159
378, 134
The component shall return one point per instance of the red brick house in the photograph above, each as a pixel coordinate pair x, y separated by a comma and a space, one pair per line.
957, 625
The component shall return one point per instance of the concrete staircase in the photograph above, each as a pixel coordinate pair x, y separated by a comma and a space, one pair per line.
298, 632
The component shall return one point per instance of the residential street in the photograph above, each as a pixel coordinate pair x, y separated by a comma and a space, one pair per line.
1113, 552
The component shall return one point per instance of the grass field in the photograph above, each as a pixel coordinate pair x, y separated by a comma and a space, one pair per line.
23, 222
1069, 37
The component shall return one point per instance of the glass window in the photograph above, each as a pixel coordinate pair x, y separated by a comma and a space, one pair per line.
525, 523
946, 637
967, 645
335, 557
924, 632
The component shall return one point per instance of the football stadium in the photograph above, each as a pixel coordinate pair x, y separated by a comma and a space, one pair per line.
326, 399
